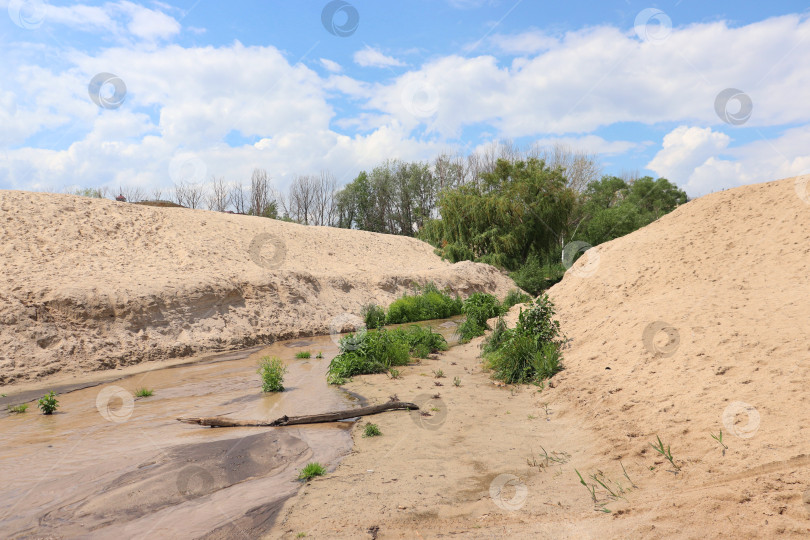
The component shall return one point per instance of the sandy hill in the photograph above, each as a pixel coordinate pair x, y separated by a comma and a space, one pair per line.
695, 324
88, 284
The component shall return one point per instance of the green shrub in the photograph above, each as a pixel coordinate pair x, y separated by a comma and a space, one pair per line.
422, 341
372, 430
303, 354
535, 277
18, 409
531, 351
367, 352
428, 303
48, 403
514, 297
144, 392
478, 307
373, 316
311, 471
272, 371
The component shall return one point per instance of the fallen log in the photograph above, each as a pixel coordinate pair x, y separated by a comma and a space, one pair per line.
219, 421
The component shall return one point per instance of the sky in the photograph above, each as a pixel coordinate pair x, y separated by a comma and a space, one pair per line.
710, 95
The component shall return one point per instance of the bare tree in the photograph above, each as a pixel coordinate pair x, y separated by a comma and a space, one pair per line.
157, 193
195, 194
300, 202
238, 197
581, 168
218, 198
180, 194
262, 196
131, 194
324, 207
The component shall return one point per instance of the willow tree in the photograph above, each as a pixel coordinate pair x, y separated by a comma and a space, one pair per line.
519, 209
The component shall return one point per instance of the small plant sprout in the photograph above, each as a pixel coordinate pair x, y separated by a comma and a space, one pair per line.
456, 381
394, 372
719, 438
438, 373
319, 355
144, 392
664, 452
303, 354
627, 476
311, 471
18, 409
591, 489
372, 430
48, 403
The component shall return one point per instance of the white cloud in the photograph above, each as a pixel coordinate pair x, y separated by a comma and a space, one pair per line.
529, 42
331, 65
369, 57
702, 161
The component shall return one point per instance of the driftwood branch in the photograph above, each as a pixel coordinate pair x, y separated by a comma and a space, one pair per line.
219, 421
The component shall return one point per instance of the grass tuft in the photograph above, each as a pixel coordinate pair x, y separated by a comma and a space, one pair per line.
18, 409
372, 430
303, 354
311, 470
144, 392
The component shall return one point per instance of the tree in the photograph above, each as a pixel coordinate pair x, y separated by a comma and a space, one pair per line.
218, 197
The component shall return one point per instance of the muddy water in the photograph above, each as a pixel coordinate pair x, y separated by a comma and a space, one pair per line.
107, 465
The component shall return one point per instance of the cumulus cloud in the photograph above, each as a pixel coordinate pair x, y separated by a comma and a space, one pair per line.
370, 57
331, 65
529, 42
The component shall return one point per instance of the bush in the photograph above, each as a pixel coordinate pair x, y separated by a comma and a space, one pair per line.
531, 351
422, 341
362, 353
311, 471
478, 307
428, 303
514, 297
48, 403
373, 316
272, 371
535, 277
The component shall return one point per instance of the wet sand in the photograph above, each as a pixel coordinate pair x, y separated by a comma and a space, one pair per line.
105, 465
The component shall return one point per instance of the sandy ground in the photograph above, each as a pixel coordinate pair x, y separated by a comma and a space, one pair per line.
90, 284
694, 325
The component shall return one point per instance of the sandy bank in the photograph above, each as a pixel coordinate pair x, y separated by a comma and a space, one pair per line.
89, 284
695, 324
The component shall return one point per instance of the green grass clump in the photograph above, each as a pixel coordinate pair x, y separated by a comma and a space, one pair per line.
374, 351
272, 371
422, 341
19, 409
311, 471
372, 430
303, 354
394, 372
373, 316
531, 351
48, 403
319, 355
144, 392
514, 297
478, 307
534, 277
428, 303
456, 381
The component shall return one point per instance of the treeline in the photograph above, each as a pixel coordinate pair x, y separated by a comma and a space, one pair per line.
516, 209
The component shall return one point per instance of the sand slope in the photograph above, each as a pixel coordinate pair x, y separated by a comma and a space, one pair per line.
88, 284
728, 276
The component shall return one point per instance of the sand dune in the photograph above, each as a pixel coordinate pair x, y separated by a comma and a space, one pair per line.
695, 324
88, 284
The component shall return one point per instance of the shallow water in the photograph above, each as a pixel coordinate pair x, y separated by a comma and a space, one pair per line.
107, 465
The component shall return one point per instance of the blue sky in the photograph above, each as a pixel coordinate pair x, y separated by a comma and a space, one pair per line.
219, 88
